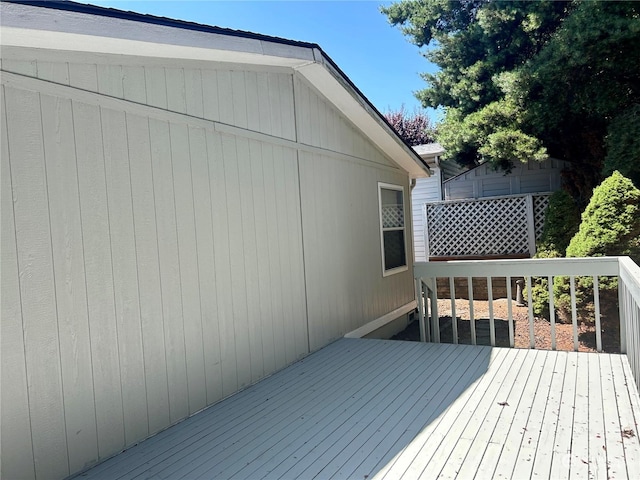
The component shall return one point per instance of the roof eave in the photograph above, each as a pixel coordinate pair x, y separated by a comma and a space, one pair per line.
84, 28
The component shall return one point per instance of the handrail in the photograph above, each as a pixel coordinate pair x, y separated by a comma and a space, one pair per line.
625, 269
629, 301
534, 267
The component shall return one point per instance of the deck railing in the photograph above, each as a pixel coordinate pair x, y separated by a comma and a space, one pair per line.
532, 270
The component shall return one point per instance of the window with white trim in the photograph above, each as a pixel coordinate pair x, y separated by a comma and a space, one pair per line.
392, 228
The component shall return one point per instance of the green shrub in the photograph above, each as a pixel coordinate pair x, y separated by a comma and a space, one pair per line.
561, 222
610, 226
611, 222
540, 285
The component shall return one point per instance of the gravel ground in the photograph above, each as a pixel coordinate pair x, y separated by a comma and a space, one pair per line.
542, 328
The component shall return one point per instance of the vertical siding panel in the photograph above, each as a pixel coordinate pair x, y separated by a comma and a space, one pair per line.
301, 93
311, 248
165, 214
286, 106
148, 271
99, 277
17, 451
36, 283
210, 94
314, 121
225, 99
294, 250
263, 280
236, 256
253, 104
84, 76
274, 254
125, 276
176, 99
223, 265
206, 263
250, 240
264, 113
71, 294
239, 99
57, 72
323, 117
285, 291
188, 258
110, 80
193, 89
156, 87
345, 226
274, 103
134, 84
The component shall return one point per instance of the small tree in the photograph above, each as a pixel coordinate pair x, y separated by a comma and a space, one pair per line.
610, 226
415, 129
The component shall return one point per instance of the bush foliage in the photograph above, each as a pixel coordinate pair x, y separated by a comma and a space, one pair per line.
561, 222
610, 226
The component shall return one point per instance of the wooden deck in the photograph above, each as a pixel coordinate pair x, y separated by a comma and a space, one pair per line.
388, 409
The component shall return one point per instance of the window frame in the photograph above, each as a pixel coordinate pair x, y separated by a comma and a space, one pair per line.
403, 268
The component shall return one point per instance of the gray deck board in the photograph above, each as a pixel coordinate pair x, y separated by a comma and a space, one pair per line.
387, 409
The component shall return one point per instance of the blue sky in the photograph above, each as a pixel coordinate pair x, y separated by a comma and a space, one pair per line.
377, 57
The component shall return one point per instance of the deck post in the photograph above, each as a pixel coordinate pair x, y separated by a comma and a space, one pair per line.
420, 300
622, 313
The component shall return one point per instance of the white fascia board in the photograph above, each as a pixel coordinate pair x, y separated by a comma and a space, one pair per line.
341, 94
73, 42
37, 27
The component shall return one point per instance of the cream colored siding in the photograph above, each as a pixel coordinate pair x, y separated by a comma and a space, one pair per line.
426, 190
166, 243
341, 221
148, 289
321, 124
340, 218
261, 101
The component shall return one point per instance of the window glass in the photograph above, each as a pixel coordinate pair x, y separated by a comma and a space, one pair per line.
394, 255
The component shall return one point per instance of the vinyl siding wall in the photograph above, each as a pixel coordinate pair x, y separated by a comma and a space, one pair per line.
165, 243
425, 191
483, 181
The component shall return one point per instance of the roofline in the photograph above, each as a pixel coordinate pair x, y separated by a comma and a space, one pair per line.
88, 9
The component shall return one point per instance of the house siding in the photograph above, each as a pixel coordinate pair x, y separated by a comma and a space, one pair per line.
426, 190
166, 242
339, 197
483, 181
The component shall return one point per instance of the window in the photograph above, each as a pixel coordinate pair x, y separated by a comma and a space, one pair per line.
392, 229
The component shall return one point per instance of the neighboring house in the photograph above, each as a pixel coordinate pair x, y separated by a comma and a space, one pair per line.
480, 212
425, 190
428, 190
185, 210
484, 181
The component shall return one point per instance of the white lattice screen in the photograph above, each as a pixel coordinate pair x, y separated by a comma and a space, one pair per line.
540, 204
392, 216
485, 227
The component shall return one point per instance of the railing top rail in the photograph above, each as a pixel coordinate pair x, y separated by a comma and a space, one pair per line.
494, 197
587, 266
630, 275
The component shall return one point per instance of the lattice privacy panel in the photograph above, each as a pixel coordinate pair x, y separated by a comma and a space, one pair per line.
540, 204
392, 216
484, 227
